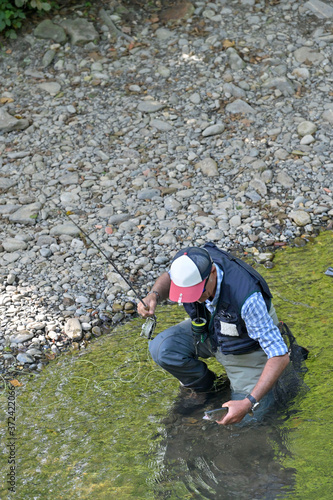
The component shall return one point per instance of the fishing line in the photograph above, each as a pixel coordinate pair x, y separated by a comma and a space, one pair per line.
148, 327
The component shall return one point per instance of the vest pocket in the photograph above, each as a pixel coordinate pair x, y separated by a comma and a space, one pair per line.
229, 329
226, 324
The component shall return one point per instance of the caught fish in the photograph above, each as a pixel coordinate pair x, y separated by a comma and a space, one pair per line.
214, 415
329, 271
148, 327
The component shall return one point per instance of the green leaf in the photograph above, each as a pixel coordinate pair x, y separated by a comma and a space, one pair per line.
20, 3
45, 6
34, 216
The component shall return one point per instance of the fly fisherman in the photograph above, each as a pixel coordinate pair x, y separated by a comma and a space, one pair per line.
231, 318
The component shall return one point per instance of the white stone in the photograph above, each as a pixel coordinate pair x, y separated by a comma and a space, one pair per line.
208, 167
235, 221
307, 139
213, 130
52, 88
300, 217
73, 329
306, 128
12, 245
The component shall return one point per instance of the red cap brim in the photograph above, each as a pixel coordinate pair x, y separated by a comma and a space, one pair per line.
186, 294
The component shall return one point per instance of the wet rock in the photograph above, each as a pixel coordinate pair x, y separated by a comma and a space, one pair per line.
23, 358
117, 307
121, 145
96, 331
130, 307
264, 257
299, 242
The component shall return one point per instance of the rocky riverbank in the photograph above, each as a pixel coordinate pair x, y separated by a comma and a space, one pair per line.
205, 121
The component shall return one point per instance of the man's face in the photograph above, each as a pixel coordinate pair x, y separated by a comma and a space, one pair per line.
210, 286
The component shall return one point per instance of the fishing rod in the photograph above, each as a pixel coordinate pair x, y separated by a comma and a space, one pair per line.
149, 326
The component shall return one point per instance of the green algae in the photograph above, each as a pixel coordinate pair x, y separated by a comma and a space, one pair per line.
91, 424
85, 426
303, 298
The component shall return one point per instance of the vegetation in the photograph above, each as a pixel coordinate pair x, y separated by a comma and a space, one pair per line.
13, 12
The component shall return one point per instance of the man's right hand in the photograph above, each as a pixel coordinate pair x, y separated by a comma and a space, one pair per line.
151, 302
162, 286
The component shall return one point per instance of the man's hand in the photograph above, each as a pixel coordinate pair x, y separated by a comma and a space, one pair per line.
236, 412
162, 287
151, 303
271, 372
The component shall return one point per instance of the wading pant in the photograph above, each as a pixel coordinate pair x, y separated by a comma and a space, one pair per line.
175, 351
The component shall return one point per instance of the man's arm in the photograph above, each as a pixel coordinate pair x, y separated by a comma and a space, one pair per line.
162, 287
260, 327
270, 374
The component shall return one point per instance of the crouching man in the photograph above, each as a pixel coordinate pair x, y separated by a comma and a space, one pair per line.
231, 318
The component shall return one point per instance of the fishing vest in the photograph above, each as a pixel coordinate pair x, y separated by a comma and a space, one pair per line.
227, 329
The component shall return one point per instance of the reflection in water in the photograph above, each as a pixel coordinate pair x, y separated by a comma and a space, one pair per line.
208, 461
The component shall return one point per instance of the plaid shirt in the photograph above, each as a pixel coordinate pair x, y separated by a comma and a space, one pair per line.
258, 322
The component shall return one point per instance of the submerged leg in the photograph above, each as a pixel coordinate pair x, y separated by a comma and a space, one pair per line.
174, 350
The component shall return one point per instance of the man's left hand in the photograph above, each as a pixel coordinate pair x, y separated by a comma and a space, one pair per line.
236, 412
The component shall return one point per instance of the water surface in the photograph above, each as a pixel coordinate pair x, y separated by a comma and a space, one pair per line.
108, 423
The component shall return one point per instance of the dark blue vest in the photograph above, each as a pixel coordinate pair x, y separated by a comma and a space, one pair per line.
227, 330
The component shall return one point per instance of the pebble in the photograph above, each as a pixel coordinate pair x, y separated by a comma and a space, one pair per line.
216, 126
73, 329
306, 128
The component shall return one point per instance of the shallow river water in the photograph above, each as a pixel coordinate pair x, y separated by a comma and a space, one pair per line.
106, 423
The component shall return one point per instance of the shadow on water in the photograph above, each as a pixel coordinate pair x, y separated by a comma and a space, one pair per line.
203, 460
108, 423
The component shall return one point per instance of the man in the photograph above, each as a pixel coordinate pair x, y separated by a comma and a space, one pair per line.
229, 303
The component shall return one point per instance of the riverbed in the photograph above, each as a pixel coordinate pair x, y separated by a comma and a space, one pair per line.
105, 422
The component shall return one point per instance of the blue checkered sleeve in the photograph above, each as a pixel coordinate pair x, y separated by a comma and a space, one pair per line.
260, 326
